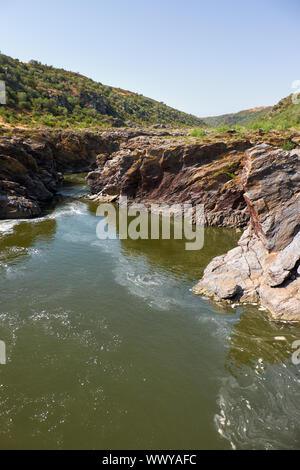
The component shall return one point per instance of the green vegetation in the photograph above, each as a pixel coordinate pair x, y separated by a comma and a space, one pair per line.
243, 118
283, 116
222, 129
232, 175
198, 133
288, 145
43, 95
264, 125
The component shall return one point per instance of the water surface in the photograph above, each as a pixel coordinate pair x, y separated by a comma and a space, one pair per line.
107, 348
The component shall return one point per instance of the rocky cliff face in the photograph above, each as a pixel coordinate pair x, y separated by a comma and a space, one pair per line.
31, 166
28, 177
151, 164
265, 267
152, 169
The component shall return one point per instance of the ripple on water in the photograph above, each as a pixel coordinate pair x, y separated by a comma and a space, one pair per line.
155, 288
69, 209
258, 415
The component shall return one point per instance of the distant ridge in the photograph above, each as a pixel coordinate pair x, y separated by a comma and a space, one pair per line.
284, 115
242, 118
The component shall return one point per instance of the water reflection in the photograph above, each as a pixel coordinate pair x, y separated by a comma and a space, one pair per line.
74, 186
171, 255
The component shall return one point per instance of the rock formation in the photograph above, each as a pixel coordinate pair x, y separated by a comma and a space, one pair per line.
164, 170
151, 164
265, 267
28, 177
31, 165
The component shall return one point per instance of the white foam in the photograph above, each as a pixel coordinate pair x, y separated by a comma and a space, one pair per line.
7, 226
74, 208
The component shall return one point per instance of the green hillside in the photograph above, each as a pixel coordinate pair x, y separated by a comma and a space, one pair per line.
43, 95
242, 118
284, 115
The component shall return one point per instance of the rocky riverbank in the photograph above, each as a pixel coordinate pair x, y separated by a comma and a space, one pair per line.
238, 181
168, 169
32, 164
155, 163
265, 267
165, 170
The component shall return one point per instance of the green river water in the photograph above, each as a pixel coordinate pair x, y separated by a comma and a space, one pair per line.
107, 348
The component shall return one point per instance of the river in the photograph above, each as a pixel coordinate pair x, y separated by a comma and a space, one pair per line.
107, 348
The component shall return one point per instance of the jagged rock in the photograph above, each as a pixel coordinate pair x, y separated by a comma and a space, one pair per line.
280, 269
31, 167
265, 266
16, 207
148, 169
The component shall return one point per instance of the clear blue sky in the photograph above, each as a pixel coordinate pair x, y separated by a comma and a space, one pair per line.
203, 57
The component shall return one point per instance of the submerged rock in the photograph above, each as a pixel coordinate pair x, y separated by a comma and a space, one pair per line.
265, 266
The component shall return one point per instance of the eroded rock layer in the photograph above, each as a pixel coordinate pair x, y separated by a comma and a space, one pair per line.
31, 165
149, 169
265, 267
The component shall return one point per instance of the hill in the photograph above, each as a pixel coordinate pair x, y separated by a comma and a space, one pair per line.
242, 118
39, 94
284, 115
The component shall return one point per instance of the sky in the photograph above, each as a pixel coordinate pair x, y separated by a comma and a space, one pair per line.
202, 57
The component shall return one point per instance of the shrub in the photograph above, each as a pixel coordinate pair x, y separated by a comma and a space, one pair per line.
198, 133
264, 125
284, 125
231, 175
222, 129
288, 145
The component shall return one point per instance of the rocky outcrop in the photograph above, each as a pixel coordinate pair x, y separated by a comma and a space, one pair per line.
265, 266
28, 177
156, 164
32, 164
164, 170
